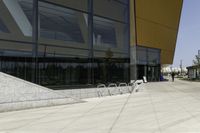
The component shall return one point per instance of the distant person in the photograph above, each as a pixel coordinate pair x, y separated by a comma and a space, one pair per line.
173, 74
161, 78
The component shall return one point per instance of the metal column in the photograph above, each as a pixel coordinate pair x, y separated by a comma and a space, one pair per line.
35, 42
90, 42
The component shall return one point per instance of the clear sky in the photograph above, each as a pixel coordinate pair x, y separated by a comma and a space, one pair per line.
188, 42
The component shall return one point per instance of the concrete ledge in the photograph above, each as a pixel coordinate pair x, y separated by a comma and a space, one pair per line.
16, 94
93, 92
34, 104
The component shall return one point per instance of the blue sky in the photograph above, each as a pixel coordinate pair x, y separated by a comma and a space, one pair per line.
188, 41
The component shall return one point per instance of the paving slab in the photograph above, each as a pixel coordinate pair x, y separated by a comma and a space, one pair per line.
164, 107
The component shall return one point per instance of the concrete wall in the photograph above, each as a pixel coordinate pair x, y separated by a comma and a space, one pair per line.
17, 94
96, 92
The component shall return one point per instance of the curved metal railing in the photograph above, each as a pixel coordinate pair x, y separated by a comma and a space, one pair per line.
110, 91
121, 86
99, 91
113, 88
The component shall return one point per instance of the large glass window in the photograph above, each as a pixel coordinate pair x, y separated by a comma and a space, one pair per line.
3, 27
110, 36
148, 56
63, 41
142, 55
111, 71
111, 28
104, 32
148, 63
113, 9
60, 73
20, 67
153, 56
15, 53
60, 23
27, 7
19, 17
111, 42
63, 45
74, 4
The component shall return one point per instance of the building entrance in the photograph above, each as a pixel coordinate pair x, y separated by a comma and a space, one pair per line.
152, 73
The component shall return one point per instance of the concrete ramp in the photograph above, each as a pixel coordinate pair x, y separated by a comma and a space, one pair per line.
17, 94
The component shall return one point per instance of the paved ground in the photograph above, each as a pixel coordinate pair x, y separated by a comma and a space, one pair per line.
158, 108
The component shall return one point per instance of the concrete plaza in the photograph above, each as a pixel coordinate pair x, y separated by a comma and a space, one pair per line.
164, 107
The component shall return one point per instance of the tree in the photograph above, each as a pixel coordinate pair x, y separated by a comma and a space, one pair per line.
109, 54
196, 61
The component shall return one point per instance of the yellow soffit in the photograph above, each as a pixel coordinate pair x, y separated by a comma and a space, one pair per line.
157, 23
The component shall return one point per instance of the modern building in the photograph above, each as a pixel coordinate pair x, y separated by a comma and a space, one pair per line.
79, 43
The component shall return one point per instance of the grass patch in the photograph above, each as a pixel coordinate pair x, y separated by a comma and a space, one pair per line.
188, 79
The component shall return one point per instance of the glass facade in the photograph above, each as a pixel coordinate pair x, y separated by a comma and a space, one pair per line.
3, 28
111, 42
65, 44
59, 23
27, 7
76, 46
104, 32
148, 63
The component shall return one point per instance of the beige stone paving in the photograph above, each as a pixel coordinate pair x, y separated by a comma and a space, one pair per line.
163, 107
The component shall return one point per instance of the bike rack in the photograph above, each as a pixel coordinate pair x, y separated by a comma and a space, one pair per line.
132, 86
99, 92
138, 83
122, 85
111, 85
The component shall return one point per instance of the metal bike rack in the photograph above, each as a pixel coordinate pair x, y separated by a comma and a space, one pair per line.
122, 85
99, 91
132, 86
111, 85
138, 83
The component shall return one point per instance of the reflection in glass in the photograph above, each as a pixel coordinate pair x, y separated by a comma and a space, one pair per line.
142, 55
15, 53
104, 32
111, 70
112, 9
148, 56
154, 56
60, 75
17, 66
59, 23
27, 7
3, 27
55, 70
148, 60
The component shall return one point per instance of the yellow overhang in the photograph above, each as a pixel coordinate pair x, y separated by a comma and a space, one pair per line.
157, 23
